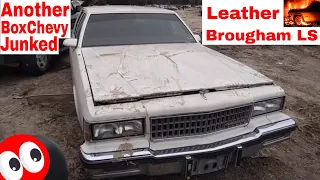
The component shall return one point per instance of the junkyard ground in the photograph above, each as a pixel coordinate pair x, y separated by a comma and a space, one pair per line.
295, 68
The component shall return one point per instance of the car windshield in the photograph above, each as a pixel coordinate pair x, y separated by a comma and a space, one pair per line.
134, 28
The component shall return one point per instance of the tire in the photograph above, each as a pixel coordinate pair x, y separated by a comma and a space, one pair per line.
36, 65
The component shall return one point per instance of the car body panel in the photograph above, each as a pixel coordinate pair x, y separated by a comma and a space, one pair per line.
182, 105
146, 70
84, 69
102, 74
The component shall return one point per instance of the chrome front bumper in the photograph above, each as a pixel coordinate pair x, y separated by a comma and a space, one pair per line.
149, 162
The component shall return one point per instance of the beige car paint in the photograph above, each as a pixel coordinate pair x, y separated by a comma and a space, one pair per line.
105, 73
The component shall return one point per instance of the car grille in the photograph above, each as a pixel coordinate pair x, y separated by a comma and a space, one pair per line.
198, 124
196, 147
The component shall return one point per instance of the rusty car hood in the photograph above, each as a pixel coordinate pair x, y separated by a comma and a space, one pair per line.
128, 73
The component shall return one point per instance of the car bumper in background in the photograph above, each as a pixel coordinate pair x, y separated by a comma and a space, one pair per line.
188, 161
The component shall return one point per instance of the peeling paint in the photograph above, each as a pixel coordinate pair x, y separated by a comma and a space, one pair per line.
124, 149
175, 54
111, 74
174, 63
177, 101
116, 91
240, 94
121, 68
145, 70
133, 108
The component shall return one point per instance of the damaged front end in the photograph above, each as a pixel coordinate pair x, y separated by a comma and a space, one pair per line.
186, 161
189, 143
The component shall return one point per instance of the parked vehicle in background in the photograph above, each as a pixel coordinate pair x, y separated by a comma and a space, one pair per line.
34, 65
37, 65
150, 99
307, 16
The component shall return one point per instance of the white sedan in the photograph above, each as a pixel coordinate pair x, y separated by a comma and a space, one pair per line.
152, 100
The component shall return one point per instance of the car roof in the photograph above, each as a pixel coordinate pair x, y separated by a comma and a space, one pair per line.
125, 9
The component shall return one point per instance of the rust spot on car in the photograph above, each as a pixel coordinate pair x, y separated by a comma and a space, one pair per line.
124, 149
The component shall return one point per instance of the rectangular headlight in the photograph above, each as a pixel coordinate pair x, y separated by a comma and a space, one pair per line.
268, 106
118, 129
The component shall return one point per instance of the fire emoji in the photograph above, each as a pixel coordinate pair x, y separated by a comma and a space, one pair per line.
295, 5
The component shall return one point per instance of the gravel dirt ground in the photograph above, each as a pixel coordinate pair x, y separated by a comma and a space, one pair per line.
295, 68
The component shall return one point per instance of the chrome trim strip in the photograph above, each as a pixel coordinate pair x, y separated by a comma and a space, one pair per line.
278, 140
116, 174
258, 132
112, 155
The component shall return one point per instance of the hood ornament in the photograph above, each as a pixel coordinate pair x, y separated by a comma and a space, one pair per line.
203, 92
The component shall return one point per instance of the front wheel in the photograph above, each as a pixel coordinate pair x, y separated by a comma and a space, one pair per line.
36, 65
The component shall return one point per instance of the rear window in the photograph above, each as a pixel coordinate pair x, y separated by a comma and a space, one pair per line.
134, 28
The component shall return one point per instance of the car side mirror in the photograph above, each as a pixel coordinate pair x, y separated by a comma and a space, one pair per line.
72, 42
198, 37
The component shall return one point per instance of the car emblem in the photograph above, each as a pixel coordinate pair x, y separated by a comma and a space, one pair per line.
203, 92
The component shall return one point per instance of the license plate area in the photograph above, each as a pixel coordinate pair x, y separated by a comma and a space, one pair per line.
210, 164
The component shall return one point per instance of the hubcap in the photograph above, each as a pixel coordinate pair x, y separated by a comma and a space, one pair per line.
42, 61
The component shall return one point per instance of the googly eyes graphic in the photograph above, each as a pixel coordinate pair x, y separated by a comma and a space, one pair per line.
31, 157
10, 166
